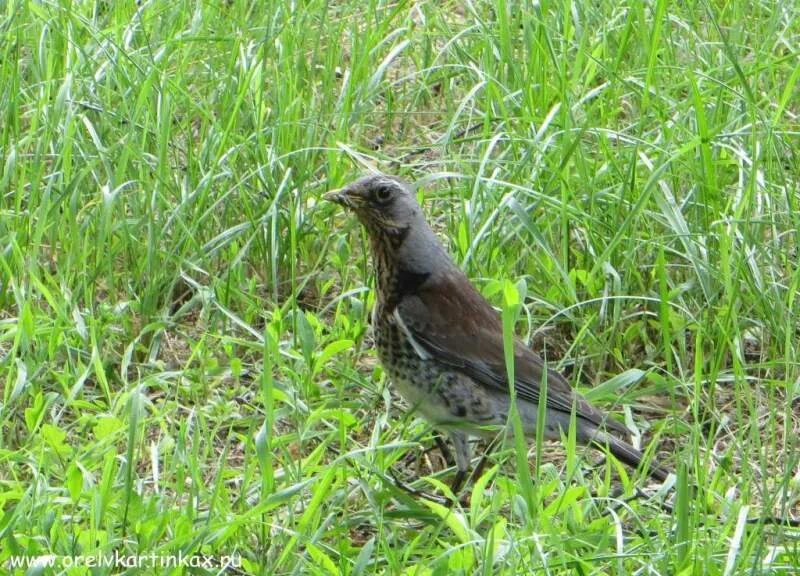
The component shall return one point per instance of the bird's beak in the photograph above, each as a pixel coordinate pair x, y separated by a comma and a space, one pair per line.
336, 196
339, 196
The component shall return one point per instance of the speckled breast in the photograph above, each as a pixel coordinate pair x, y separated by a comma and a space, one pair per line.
421, 382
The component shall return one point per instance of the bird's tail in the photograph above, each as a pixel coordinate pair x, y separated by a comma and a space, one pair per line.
627, 454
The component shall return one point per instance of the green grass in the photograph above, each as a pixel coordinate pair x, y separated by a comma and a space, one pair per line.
185, 357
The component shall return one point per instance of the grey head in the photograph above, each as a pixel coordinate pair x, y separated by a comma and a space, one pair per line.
387, 207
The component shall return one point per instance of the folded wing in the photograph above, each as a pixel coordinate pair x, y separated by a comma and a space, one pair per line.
473, 345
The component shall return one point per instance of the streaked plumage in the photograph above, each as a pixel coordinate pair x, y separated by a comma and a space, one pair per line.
441, 342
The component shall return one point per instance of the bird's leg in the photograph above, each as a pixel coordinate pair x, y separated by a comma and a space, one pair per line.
484, 458
442, 446
461, 445
458, 481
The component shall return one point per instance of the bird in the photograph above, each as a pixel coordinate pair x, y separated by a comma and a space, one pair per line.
441, 342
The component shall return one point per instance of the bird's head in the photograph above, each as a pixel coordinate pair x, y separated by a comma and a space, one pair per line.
385, 205
399, 234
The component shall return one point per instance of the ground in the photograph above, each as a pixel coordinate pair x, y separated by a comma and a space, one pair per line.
184, 333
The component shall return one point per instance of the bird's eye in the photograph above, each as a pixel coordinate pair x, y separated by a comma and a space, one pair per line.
383, 194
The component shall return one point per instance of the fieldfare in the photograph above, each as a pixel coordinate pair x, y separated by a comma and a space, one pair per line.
441, 342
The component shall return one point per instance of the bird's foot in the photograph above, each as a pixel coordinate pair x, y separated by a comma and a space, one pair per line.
449, 502
417, 493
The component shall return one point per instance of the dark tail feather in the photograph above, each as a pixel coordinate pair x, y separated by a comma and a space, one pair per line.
627, 454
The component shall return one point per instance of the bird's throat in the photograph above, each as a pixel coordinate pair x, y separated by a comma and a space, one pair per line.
394, 279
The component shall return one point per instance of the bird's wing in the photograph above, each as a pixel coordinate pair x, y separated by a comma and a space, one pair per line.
448, 319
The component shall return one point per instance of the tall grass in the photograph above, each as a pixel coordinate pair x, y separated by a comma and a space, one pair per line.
184, 343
